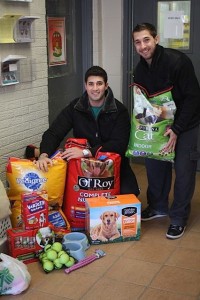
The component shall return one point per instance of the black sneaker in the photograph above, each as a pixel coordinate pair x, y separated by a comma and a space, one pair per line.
175, 231
150, 214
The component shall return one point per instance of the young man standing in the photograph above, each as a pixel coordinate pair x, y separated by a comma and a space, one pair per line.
98, 117
159, 69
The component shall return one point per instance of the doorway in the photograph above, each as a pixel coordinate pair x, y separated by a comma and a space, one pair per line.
66, 76
135, 12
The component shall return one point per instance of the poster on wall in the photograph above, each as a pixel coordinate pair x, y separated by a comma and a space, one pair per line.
173, 24
56, 41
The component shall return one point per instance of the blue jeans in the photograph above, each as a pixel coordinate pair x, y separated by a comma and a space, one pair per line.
159, 174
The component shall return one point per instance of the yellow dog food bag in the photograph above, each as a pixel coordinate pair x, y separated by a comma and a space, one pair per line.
23, 176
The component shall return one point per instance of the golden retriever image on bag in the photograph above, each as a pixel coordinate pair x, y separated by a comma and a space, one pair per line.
97, 168
107, 230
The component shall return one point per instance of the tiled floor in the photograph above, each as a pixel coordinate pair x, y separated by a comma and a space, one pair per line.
150, 269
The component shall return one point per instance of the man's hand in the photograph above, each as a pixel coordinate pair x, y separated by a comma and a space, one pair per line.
43, 162
73, 152
171, 144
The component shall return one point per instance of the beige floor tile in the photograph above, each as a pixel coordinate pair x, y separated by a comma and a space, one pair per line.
37, 273
151, 252
197, 187
196, 225
190, 240
155, 231
72, 285
108, 289
154, 294
195, 212
132, 271
177, 280
185, 258
35, 295
138, 167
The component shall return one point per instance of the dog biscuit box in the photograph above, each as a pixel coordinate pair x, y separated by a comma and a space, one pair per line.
35, 209
113, 219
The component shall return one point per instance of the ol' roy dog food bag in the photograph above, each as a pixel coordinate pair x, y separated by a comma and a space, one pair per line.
23, 176
89, 177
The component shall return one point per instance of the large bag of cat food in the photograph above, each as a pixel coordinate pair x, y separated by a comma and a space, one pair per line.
152, 116
23, 176
89, 177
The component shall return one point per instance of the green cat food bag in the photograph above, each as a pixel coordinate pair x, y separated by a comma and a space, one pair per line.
151, 117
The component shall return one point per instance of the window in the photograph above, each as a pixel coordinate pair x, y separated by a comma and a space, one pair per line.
174, 24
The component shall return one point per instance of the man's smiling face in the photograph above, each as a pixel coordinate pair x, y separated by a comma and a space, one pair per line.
96, 87
145, 44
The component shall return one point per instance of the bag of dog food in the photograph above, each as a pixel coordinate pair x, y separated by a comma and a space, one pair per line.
152, 116
89, 177
16, 213
80, 143
23, 176
56, 217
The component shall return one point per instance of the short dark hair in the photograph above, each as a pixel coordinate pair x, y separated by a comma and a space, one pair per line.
146, 26
96, 71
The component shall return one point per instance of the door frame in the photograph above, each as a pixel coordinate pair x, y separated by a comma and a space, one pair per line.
87, 35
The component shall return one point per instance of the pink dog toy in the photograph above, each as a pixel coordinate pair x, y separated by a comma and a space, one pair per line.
98, 254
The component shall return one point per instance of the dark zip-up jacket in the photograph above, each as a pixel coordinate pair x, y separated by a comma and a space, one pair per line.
110, 131
172, 68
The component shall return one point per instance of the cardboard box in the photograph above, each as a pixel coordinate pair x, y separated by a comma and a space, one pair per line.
113, 219
35, 209
26, 245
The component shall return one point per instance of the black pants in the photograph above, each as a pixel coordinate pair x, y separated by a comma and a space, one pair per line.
159, 175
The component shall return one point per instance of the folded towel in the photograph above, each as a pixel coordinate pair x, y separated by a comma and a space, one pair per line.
4, 203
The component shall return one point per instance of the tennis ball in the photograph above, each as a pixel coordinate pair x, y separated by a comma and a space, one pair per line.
70, 262
61, 252
57, 246
44, 259
48, 266
41, 256
57, 263
47, 247
64, 258
52, 255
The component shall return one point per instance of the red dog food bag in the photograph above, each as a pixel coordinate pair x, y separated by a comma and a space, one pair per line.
89, 177
80, 143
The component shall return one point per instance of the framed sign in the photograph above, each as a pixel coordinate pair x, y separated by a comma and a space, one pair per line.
56, 41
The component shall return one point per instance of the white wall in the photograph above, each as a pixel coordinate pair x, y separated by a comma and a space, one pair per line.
24, 107
107, 41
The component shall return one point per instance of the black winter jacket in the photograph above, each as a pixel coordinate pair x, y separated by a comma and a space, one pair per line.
110, 131
172, 68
